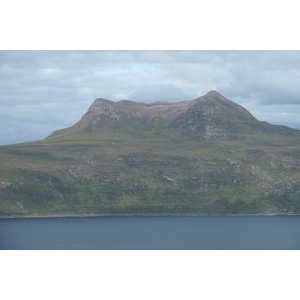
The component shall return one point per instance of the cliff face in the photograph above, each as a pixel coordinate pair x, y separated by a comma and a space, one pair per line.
207, 155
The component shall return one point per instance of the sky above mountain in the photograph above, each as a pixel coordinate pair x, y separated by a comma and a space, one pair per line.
42, 91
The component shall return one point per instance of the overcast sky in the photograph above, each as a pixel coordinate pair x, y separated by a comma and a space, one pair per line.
42, 91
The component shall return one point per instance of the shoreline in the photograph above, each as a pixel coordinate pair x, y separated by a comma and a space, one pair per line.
145, 215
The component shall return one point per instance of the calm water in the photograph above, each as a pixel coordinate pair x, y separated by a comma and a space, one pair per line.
151, 233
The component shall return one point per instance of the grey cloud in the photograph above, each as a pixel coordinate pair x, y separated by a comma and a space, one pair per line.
158, 92
271, 77
290, 113
28, 122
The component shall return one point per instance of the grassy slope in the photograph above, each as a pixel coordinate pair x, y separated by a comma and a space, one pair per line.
85, 174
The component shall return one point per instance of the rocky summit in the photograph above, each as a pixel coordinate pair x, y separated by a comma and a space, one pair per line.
204, 156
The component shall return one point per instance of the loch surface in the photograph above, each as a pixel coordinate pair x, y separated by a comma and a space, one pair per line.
152, 233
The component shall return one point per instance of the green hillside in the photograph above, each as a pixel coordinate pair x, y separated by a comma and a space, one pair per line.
208, 155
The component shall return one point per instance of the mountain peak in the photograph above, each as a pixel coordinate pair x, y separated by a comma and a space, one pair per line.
214, 95
213, 92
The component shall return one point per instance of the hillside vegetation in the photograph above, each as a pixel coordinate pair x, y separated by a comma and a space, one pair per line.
204, 156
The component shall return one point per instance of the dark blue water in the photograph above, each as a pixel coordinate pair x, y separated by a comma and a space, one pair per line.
152, 233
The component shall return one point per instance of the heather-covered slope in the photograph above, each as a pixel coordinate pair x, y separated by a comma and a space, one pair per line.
207, 155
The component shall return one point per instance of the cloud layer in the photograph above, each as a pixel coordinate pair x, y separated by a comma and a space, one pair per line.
41, 91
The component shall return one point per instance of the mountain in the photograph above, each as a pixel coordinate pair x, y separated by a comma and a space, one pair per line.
207, 117
208, 155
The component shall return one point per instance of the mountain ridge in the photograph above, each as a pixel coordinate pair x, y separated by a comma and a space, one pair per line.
207, 117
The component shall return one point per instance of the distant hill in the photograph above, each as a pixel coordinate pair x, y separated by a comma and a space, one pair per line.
204, 156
